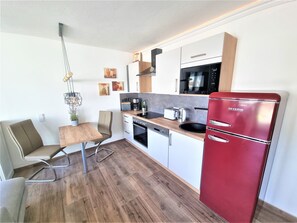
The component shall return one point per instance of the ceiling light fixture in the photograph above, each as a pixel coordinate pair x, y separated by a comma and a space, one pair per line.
71, 98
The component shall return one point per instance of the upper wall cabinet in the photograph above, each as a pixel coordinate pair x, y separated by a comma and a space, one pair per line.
209, 48
166, 80
139, 84
218, 48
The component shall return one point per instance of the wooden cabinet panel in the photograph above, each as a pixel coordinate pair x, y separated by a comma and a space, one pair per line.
139, 84
145, 84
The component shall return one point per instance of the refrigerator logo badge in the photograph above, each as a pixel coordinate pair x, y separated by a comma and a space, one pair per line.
235, 109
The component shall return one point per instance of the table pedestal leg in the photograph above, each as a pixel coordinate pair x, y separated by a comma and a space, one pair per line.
83, 155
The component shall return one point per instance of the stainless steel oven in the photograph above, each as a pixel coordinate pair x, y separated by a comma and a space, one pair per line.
140, 131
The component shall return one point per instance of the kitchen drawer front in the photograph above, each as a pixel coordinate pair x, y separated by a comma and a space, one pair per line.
209, 48
128, 127
128, 135
128, 119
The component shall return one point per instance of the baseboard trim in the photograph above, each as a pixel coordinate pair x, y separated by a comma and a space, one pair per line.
281, 215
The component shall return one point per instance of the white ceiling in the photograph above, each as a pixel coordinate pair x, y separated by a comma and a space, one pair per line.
121, 25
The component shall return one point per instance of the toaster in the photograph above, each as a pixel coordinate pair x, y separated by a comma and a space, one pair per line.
171, 113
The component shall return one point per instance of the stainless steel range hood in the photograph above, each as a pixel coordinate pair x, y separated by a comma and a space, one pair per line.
151, 70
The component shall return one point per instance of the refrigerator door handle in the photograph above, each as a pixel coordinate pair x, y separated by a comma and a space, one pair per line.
217, 123
218, 139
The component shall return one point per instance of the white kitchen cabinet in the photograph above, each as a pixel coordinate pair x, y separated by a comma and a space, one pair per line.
166, 80
208, 48
128, 127
185, 157
136, 83
158, 147
218, 48
133, 70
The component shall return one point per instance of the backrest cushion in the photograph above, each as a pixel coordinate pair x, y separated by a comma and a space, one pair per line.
32, 134
104, 122
25, 136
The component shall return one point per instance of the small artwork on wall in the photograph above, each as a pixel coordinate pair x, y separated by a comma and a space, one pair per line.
117, 85
110, 72
103, 89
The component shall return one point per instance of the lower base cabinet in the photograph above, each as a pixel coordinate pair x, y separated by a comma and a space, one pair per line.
185, 157
158, 147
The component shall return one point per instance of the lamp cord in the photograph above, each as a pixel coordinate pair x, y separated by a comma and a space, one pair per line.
70, 85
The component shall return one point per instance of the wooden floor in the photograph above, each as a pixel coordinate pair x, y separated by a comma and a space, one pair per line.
126, 187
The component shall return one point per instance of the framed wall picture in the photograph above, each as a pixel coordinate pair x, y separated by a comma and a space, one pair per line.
117, 85
103, 89
110, 72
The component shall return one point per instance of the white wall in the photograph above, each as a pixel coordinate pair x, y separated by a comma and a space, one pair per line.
266, 59
32, 70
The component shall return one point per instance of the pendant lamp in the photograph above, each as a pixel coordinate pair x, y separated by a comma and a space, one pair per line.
72, 99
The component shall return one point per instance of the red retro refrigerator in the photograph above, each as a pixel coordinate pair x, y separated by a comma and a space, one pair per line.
238, 136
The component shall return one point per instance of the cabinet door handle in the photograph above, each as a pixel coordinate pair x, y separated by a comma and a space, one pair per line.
175, 85
127, 132
126, 122
218, 139
217, 123
198, 55
170, 139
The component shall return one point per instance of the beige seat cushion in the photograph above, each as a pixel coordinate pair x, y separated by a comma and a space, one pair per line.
44, 152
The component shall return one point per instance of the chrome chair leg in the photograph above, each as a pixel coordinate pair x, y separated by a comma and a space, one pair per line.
66, 165
98, 149
92, 154
49, 166
30, 180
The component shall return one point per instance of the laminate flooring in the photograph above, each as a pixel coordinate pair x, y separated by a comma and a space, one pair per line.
126, 187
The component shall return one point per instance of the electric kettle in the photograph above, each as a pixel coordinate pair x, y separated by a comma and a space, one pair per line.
182, 115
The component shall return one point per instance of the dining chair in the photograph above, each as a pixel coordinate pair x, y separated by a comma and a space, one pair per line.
31, 148
104, 127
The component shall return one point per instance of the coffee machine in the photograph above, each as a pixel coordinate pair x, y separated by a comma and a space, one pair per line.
136, 104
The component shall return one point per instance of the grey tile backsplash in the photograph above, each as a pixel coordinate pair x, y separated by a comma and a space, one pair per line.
157, 103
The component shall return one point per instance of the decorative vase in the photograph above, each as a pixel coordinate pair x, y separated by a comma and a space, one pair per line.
74, 123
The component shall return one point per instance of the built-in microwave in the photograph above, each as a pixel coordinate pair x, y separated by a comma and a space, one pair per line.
203, 79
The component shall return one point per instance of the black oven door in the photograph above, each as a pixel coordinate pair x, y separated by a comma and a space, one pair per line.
140, 133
